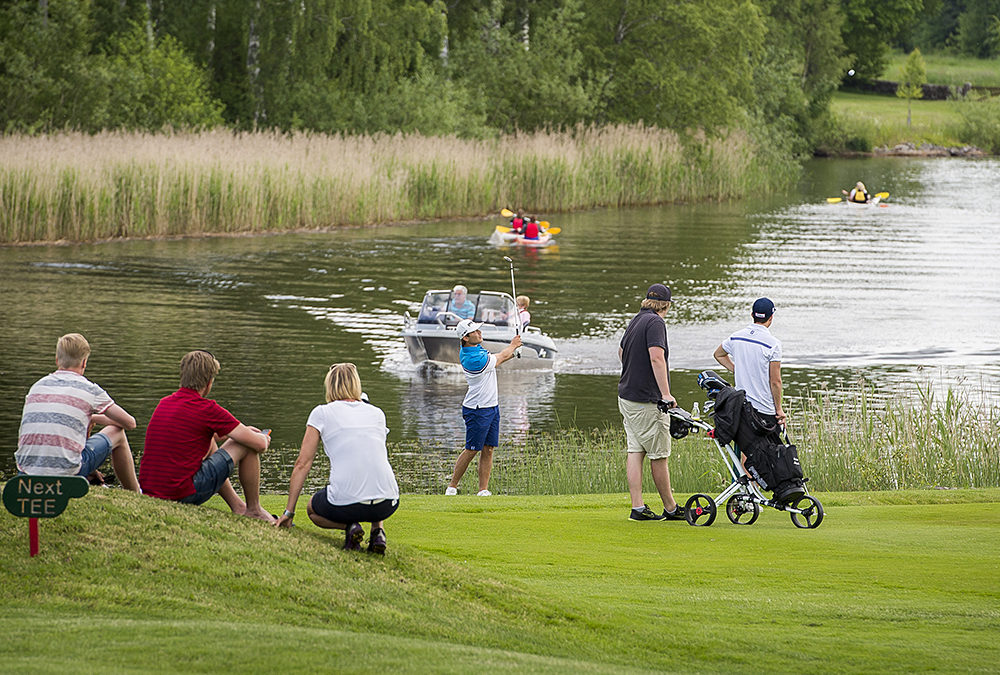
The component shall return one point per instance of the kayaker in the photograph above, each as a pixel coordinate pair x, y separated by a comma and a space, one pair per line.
858, 194
531, 229
517, 224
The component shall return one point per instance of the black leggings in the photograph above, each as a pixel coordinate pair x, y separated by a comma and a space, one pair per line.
352, 513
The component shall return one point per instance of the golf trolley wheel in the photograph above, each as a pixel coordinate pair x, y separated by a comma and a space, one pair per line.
742, 511
700, 510
812, 512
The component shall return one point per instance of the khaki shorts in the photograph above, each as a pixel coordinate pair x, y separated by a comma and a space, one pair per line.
646, 428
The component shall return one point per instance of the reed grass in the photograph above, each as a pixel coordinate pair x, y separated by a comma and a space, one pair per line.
81, 187
854, 440
863, 441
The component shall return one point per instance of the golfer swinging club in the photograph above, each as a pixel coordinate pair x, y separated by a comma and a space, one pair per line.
481, 407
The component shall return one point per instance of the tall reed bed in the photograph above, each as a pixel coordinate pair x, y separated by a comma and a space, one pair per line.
80, 187
864, 442
856, 441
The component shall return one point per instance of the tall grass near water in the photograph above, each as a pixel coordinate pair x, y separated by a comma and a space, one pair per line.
849, 442
865, 442
79, 187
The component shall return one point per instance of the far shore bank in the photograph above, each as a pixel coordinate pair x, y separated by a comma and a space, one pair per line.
79, 188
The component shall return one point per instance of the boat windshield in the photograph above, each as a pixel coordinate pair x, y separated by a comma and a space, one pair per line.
495, 309
442, 307
447, 308
434, 304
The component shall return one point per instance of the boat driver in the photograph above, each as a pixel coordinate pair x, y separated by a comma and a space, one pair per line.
461, 306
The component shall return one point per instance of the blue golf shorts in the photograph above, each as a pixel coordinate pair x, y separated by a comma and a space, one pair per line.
95, 452
482, 427
210, 477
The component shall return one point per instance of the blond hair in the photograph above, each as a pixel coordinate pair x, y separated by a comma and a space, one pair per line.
198, 369
523, 301
655, 305
342, 383
72, 350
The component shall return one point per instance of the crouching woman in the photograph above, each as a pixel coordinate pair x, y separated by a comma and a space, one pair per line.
362, 486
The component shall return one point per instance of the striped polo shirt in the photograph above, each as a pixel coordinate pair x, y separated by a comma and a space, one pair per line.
752, 350
55, 422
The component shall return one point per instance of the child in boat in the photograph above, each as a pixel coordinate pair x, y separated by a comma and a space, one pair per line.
522, 310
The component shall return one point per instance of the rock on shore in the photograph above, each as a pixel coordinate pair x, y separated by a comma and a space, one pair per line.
928, 150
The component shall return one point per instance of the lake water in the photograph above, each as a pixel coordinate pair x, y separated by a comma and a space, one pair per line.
899, 295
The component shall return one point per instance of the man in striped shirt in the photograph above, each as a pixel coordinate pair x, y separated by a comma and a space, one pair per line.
58, 413
754, 355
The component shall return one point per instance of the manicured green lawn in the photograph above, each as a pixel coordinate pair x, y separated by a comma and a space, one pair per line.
883, 118
948, 69
890, 582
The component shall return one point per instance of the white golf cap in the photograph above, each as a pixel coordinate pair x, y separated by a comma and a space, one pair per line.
466, 326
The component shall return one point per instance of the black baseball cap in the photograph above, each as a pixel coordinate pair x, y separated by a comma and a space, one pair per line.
762, 309
658, 292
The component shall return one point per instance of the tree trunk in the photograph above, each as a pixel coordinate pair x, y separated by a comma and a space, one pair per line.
909, 103
43, 9
253, 67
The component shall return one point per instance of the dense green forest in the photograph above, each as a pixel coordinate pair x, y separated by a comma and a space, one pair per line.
472, 68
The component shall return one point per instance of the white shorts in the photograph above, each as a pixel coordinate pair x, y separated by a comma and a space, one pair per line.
646, 428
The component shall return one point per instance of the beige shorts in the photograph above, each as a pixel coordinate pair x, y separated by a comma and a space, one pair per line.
646, 428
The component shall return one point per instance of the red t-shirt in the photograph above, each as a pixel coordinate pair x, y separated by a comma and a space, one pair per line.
178, 436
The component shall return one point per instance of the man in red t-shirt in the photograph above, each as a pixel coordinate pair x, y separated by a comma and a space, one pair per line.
182, 461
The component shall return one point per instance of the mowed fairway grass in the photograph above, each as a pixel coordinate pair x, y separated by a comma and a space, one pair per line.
890, 582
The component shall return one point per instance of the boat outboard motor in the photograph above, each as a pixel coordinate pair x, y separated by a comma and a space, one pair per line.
711, 382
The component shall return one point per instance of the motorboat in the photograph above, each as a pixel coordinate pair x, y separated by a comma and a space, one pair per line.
431, 336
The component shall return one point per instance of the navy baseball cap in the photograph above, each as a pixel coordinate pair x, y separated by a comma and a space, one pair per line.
762, 309
658, 292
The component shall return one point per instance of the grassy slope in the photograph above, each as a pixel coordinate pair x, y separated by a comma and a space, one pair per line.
950, 70
890, 582
932, 121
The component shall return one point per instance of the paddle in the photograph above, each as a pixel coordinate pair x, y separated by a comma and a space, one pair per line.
835, 200
551, 230
507, 213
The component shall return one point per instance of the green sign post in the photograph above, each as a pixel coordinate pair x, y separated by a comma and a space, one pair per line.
35, 497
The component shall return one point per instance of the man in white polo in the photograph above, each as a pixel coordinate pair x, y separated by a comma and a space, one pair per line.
754, 355
481, 407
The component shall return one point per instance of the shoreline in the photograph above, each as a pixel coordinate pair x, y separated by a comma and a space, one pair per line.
912, 149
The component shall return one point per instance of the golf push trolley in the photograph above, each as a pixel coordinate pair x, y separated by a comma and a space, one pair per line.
744, 497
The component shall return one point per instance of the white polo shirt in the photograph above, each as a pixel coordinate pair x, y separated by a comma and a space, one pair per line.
353, 434
752, 350
480, 368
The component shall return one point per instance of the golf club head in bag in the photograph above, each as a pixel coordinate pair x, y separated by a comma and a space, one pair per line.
710, 381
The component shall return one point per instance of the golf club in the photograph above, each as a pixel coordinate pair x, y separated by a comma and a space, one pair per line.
513, 294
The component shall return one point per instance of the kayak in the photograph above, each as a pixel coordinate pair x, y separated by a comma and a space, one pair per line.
504, 235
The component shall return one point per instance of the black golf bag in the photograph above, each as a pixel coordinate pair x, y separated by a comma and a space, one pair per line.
771, 461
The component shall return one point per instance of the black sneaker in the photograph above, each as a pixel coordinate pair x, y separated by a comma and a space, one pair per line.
376, 542
353, 536
677, 514
645, 514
